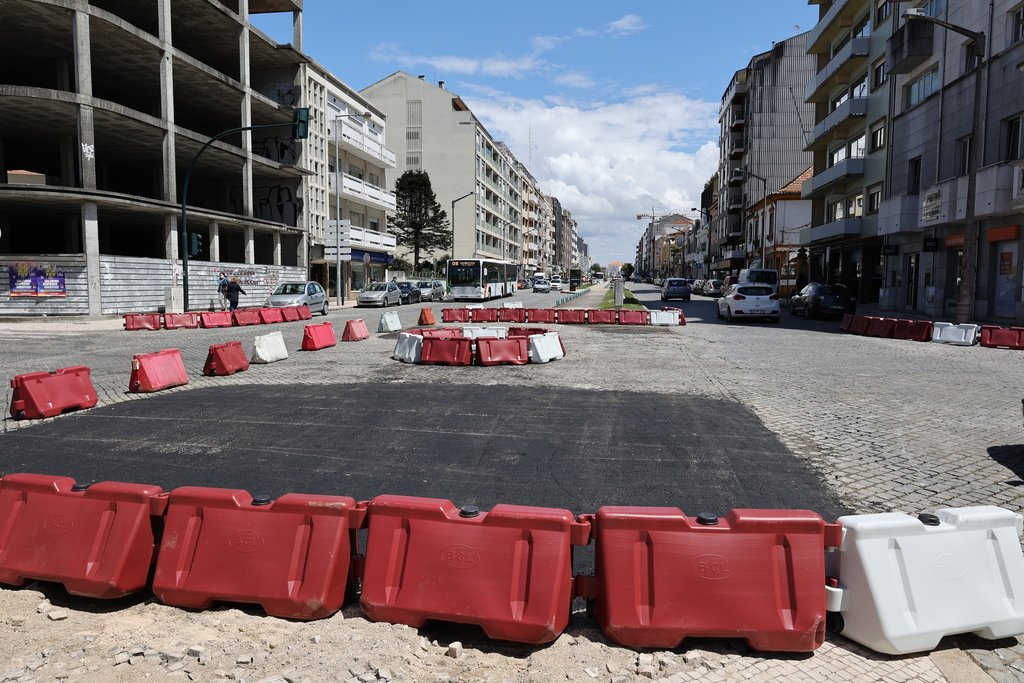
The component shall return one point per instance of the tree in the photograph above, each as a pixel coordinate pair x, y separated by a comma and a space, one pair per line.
419, 223
627, 270
595, 268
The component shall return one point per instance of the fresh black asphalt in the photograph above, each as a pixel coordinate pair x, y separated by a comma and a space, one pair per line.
481, 445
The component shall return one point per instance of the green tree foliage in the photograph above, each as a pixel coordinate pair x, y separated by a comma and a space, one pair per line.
627, 270
596, 268
419, 223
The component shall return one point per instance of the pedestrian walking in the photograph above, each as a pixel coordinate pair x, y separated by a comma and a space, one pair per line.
222, 285
231, 292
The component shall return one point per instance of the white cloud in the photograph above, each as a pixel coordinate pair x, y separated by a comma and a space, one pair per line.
575, 80
608, 161
630, 23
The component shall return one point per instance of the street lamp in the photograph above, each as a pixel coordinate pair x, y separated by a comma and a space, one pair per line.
968, 269
454, 201
764, 210
362, 118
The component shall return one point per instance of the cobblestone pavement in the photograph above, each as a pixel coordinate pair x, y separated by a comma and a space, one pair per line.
891, 425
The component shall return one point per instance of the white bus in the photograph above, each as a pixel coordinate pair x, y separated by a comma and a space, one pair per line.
481, 279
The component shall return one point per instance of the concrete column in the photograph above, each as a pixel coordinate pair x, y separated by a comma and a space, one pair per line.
277, 248
245, 114
302, 258
215, 241
250, 252
91, 238
170, 179
171, 237
297, 29
83, 76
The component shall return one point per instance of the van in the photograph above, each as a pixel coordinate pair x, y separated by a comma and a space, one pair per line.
760, 276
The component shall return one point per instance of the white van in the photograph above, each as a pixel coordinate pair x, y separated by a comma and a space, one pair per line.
760, 276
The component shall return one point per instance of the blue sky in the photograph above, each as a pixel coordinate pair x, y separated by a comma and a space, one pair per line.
612, 105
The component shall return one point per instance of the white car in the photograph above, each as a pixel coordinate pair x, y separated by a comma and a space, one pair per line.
541, 286
750, 301
556, 283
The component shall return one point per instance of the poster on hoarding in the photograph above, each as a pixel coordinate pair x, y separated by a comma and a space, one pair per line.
36, 280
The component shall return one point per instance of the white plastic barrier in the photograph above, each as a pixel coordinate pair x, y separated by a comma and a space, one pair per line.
409, 348
960, 335
490, 332
512, 304
389, 322
268, 348
545, 347
474, 305
668, 317
906, 582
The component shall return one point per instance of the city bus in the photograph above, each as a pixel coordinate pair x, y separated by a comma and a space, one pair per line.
479, 279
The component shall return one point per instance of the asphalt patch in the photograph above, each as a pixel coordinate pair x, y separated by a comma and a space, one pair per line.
481, 445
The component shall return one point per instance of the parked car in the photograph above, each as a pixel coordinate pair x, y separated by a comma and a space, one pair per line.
430, 290
380, 294
541, 285
675, 288
728, 282
712, 288
410, 293
818, 299
750, 301
760, 276
697, 286
556, 283
298, 293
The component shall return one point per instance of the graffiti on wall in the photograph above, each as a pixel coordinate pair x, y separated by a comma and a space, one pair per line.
36, 280
281, 150
255, 276
272, 203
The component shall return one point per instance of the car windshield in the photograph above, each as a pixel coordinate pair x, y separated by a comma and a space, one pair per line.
677, 283
290, 288
405, 285
755, 291
424, 285
377, 287
768, 277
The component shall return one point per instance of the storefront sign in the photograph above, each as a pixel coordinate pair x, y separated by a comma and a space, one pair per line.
955, 241
1007, 232
1006, 264
371, 257
931, 205
36, 280
930, 244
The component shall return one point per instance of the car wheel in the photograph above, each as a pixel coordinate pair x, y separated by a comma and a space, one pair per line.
728, 314
718, 312
323, 311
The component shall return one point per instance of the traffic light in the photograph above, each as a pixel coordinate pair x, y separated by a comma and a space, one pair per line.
195, 246
300, 124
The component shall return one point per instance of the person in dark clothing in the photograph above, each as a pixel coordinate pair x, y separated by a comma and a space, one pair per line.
231, 291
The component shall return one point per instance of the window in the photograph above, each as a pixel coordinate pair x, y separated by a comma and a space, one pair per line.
882, 11
971, 58
855, 206
1011, 138
878, 74
920, 88
836, 155
877, 136
934, 8
963, 155
914, 176
856, 148
862, 29
860, 87
874, 198
839, 99
1017, 25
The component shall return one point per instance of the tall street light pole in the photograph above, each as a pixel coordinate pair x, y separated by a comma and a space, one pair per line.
764, 210
968, 269
454, 201
362, 118
705, 218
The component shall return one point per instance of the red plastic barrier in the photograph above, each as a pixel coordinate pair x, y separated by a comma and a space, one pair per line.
859, 324
526, 331
142, 321
540, 315
510, 351
174, 321
225, 359
96, 540
438, 333
483, 315
995, 336
305, 313
917, 330
157, 371
271, 315
455, 315
318, 336
247, 316
508, 570
44, 394
844, 324
427, 317
290, 314
572, 316
355, 330
292, 556
754, 574
215, 319
629, 317
601, 316
512, 315
447, 351
881, 327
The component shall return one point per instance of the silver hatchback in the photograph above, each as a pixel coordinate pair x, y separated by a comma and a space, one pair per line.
299, 293
380, 294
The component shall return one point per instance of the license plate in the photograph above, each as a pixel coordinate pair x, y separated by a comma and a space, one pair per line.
757, 310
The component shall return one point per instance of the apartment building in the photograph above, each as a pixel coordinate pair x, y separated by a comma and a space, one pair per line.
763, 120
939, 152
103, 107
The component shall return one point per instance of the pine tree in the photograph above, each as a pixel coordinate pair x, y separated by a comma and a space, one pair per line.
419, 223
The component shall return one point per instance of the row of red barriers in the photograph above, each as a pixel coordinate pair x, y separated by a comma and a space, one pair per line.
563, 316
209, 319
660, 577
996, 336
890, 328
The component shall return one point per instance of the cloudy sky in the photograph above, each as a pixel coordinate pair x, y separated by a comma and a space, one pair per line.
612, 105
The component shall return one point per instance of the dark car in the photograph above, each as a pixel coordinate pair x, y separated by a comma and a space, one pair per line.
817, 299
410, 292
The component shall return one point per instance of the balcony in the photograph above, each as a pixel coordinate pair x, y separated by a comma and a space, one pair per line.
531, 261
1017, 196
737, 113
849, 112
900, 215
734, 253
737, 89
734, 202
994, 190
358, 139
840, 10
737, 148
356, 188
841, 172
840, 68
737, 178
909, 46
844, 227
363, 238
